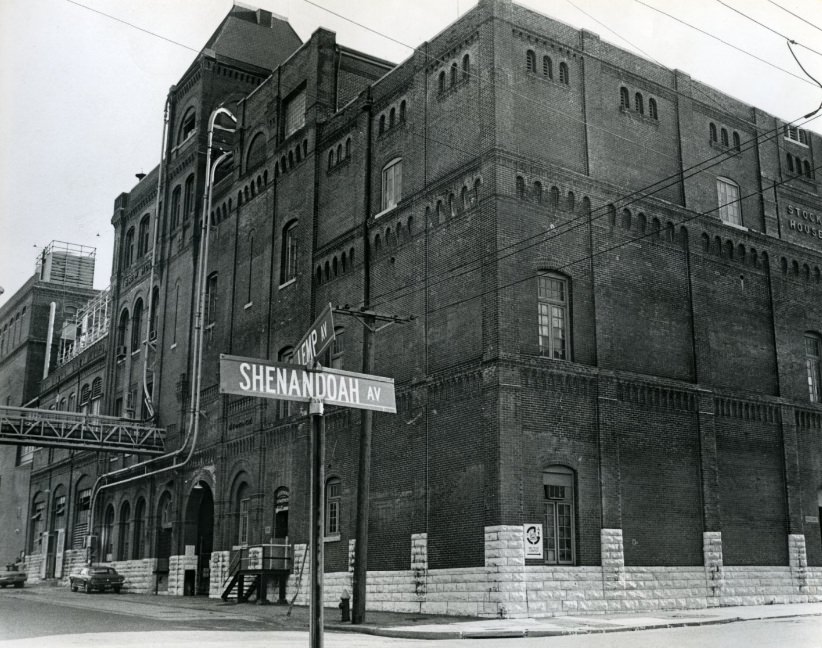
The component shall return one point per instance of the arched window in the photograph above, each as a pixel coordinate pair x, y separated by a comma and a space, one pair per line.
250, 266
391, 184
465, 198
333, 501
281, 502
187, 125
807, 168
242, 508
442, 82
553, 315
712, 131
122, 328
137, 325
547, 67
452, 205
554, 198
124, 532
558, 497
382, 124
571, 201
392, 118
256, 152
813, 358
210, 315
128, 248
789, 158
624, 98
139, 529
520, 187
107, 534
85, 396
538, 192
143, 245
288, 257
348, 140
652, 109
454, 74
477, 184
730, 210
737, 143
466, 67
402, 120
530, 61
96, 395
188, 198
564, 76
155, 313
724, 136
331, 158
639, 103
38, 524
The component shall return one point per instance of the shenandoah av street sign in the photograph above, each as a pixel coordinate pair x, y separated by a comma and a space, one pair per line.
255, 377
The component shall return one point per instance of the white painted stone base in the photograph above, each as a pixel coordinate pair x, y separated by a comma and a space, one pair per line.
508, 587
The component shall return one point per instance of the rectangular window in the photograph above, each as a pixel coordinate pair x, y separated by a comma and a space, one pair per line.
288, 270
553, 316
728, 197
294, 113
813, 351
332, 508
25, 455
391, 184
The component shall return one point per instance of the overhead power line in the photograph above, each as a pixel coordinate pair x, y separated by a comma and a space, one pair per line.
764, 26
723, 41
133, 26
808, 22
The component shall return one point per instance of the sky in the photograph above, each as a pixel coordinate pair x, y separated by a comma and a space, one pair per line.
83, 93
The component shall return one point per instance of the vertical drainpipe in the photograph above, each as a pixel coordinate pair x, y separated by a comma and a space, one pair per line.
49, 339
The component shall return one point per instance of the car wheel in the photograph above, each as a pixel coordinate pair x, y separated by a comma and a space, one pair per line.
3, 585
18, 585
73, 587
87, 588
116, 589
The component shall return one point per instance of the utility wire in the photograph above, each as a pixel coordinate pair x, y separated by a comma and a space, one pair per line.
764, 26
717, 38
808, 22
137, 27
588, 257
570, 225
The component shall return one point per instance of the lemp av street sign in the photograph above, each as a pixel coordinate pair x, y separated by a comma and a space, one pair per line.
316, 339
256, 377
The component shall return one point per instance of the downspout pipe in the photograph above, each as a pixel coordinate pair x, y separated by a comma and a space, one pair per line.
147, 342
194, 420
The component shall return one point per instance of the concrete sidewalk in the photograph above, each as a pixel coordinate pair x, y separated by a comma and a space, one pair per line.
555, 626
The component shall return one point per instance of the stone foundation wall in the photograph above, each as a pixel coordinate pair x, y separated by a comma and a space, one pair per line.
507, 587
33, 564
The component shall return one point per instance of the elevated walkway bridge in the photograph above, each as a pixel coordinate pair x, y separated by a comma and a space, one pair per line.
53, 429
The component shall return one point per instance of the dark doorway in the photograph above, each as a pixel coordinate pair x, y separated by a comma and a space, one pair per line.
199, 533
281, 515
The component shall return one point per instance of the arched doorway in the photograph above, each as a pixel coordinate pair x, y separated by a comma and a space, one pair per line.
199, 535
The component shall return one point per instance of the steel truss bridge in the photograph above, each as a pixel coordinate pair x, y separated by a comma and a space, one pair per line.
54, 429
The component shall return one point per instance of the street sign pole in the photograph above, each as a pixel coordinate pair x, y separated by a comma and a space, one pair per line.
317, 519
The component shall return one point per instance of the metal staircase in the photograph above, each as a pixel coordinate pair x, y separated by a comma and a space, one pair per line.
54, 429
251, 568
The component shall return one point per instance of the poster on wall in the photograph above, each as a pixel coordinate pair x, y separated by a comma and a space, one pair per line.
532, 534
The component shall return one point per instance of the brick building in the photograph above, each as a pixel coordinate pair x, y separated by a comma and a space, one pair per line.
30, 320
616, 275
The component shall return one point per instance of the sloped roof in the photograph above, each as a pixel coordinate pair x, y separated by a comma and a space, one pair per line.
241, 37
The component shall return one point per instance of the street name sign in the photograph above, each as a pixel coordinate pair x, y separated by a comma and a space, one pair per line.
316, 339
256, 377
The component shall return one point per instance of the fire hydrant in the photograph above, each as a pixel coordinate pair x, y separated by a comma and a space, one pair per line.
345, 606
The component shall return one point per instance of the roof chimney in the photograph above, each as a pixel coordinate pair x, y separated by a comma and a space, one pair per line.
263, 17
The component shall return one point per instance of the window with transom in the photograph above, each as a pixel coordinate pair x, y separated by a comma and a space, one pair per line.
558, 496
553, 302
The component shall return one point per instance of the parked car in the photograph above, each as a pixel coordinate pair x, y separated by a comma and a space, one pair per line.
12, 576
96, 577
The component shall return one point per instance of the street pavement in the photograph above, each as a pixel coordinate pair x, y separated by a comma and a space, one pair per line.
132, 620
